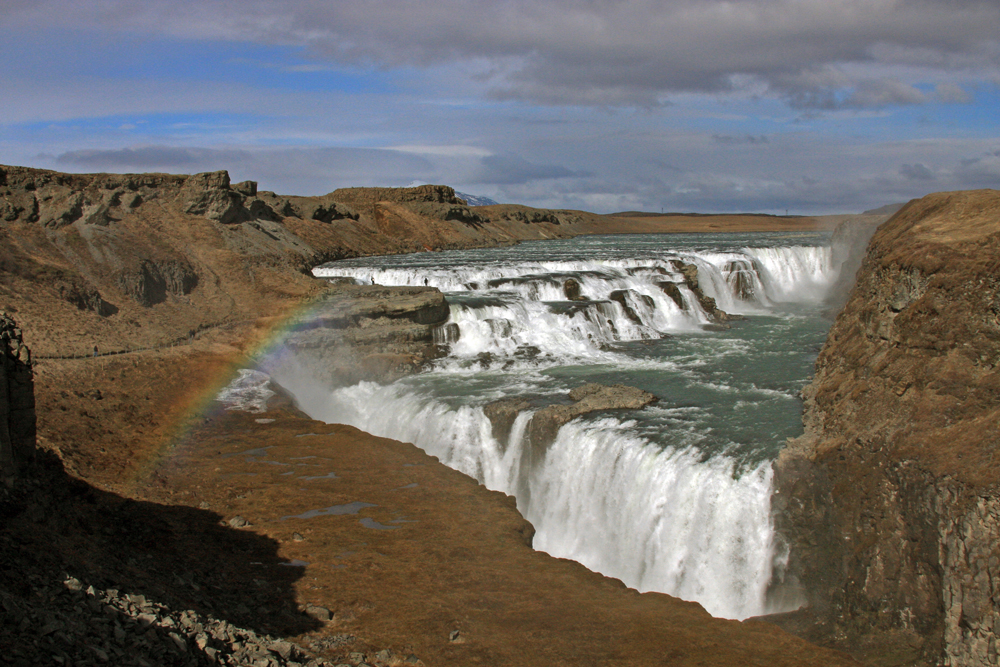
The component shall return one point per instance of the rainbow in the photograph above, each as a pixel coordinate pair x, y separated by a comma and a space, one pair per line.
265, 343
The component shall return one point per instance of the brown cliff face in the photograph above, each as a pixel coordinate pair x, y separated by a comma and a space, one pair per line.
17, 399
890, 498
126, 261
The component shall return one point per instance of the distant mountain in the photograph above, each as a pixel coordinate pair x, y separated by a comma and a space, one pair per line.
476, 201
888, 209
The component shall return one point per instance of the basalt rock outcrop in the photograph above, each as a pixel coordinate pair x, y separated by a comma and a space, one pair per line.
591, 397
707, 303
433, 194
437, 202
502, 414
545, 422
54, 199
689, 272
369, 332
621, 297
891, 499
17, 399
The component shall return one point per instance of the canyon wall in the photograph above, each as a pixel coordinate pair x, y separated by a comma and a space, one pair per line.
890, 501
17, 399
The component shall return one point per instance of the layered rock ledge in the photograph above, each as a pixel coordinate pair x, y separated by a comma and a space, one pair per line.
368, 332
545, 422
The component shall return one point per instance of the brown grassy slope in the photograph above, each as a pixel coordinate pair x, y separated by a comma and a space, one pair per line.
645, 224
79, 271
911, 359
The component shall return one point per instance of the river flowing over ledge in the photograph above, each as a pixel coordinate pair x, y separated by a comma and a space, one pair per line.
674, 498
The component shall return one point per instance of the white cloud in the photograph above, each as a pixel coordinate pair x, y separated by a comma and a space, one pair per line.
953, 93
883, 93
613, 104
632, 52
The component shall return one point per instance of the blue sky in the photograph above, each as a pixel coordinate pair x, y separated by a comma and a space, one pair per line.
685, 105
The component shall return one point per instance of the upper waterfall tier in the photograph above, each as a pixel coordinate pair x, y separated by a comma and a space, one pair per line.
538, 303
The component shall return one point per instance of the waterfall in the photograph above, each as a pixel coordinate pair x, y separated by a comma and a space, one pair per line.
659, 519
502, 308
665, 499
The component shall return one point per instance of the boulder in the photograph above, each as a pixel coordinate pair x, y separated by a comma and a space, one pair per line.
571, 288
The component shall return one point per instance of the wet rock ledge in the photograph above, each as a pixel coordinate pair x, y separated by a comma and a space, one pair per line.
545, 422
369, 332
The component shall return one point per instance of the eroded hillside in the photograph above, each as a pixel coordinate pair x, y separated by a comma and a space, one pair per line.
127, 261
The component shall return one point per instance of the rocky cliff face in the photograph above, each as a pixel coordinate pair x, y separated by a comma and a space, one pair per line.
890, 498
121, 261
17, 399
367, 332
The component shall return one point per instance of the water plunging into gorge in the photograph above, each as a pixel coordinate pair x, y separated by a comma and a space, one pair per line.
672, 498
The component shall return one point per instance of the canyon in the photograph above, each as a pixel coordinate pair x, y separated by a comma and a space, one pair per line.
140, 295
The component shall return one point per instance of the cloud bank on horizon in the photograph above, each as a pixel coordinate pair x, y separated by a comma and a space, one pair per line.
697, 105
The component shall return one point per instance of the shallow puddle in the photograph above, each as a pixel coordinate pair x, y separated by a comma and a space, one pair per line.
349, 508
330, 475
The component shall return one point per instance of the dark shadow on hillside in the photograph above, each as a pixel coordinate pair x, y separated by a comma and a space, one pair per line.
55, 528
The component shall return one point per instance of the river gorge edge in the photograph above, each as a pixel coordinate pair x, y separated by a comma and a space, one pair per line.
889, 499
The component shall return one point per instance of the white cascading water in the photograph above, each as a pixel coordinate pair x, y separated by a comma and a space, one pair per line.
660, 517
